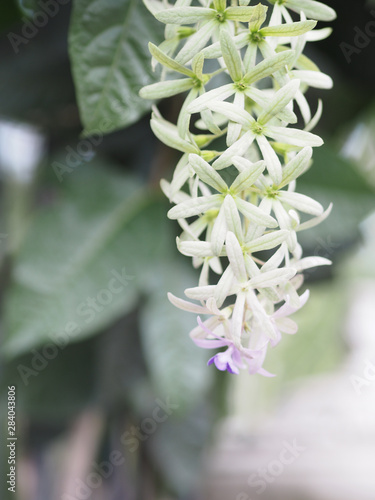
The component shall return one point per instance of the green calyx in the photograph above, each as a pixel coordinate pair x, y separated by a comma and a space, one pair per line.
241, 85
211, 215
220, 16
271, 192
257, 128
185, 32
256, 37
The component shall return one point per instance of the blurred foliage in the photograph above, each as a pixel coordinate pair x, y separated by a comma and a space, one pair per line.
334, 179
357, 144
35, 83
74, 247
28, 7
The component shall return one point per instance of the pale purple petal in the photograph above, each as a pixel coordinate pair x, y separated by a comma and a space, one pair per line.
223, 361
211, 344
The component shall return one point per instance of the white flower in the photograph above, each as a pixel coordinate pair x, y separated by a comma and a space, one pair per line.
227, 219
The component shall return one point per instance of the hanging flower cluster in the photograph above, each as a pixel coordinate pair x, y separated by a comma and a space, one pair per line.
234, 188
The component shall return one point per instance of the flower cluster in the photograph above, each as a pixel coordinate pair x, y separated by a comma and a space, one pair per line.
234, 188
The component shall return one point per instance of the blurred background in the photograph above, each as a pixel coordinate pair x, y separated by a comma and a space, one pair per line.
114, 402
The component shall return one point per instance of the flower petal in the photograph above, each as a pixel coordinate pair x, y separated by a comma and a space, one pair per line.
249, 174
316, 220
184, 15
269, 66
231, 56
219, 94
294, 136
207, 173
232, 217
296, 166
239, 148
187, 306
290, 29
301, 202
267, 241
279, 101
255, 213
236, 258
195, 248
313, 9
168, 62
270, 157
196, 42
195, 206
272, 278
314, 79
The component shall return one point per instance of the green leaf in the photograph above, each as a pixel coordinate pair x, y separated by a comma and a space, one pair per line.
177, 366
99, 243
110, 61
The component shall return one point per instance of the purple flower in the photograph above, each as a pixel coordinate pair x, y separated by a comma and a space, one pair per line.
227, 360
234, 357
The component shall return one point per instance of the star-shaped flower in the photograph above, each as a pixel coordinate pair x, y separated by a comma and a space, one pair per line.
210, 22
259, 129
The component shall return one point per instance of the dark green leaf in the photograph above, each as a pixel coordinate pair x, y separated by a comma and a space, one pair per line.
67, 371
110, 60
104, 225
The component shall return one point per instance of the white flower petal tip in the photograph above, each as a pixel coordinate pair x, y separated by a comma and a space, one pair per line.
309, 262
187, 306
